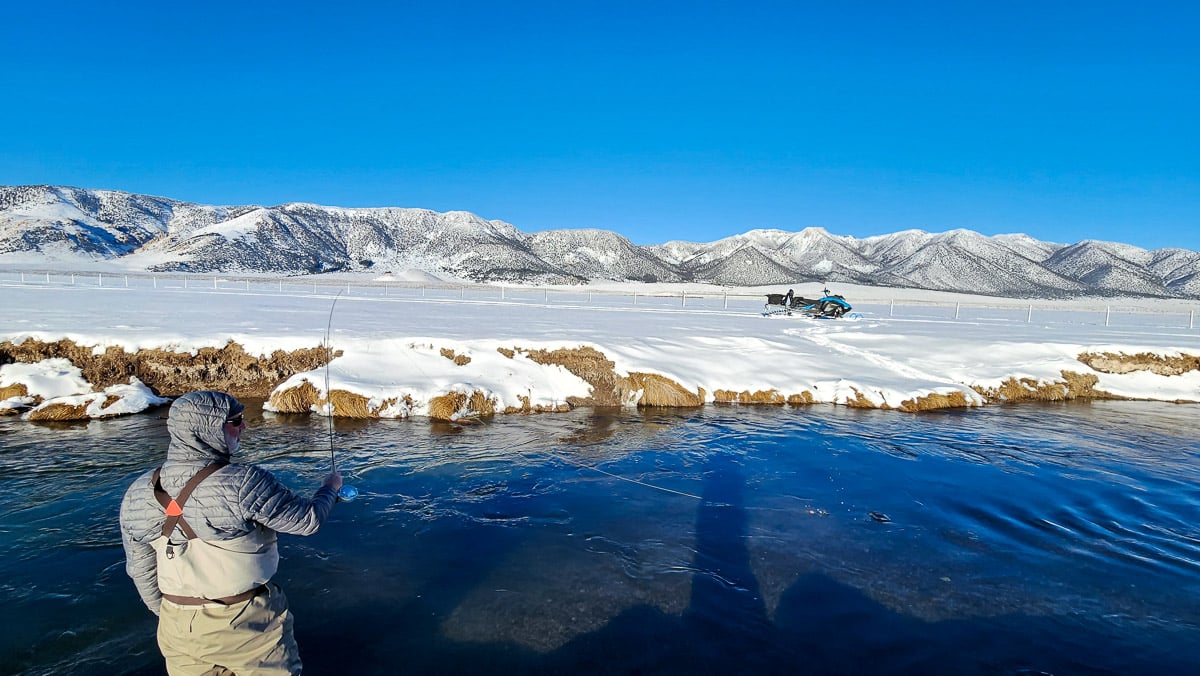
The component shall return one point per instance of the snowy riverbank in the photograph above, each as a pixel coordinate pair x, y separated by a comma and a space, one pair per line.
440, 352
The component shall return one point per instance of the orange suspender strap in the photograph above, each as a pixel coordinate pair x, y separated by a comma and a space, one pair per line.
174, 507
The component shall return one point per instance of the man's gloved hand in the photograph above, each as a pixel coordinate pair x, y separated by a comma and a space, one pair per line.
334, 481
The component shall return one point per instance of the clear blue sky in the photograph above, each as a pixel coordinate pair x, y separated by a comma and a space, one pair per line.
658, 120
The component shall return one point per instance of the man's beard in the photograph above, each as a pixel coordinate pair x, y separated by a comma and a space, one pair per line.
232, 442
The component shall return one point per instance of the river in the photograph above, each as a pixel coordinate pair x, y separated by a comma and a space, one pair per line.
1022, 539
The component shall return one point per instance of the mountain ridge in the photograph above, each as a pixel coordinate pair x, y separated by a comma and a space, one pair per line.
63, 223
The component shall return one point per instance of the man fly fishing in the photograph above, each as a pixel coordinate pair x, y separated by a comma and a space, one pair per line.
201, 547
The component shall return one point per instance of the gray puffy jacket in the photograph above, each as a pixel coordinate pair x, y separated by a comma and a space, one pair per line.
227, 504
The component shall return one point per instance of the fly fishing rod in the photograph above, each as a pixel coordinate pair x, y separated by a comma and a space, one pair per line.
347, 492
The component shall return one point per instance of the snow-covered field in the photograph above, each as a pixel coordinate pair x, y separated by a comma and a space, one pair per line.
393, 338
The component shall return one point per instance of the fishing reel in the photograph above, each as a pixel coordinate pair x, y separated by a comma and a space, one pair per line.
346, 493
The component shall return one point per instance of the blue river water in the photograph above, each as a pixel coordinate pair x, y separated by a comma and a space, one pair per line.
1028, 539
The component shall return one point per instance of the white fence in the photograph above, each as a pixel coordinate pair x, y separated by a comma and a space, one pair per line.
1151, 313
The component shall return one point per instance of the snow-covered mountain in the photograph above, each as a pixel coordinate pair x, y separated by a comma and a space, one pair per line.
997, 265
64, 225
600, 254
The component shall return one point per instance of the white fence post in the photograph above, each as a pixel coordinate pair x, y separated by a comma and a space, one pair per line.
892, 308
1029, 315
1191, 318
126, 281
956, 307
1107, 313
683, 298
501, 292
725, 306
154, 280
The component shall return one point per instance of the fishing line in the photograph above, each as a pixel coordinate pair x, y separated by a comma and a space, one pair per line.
346, 492
664, 489
581, 465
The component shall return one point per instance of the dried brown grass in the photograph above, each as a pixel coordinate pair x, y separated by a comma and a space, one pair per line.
1072, 386
14, 390
458, 359
450, 406
1116, 363
228, 368
447, 406
934, 401
66, 412
767, 397
590, 365
1083, 386
861, 401
659, 391
305, 397
525, 406
804, 398
299, 399
772, 397
60, 412
481, 404
351, 405
609, 389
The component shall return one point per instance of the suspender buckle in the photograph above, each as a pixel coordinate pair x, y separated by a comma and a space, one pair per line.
173, 507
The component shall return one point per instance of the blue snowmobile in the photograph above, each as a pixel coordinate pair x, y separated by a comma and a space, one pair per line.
828, 306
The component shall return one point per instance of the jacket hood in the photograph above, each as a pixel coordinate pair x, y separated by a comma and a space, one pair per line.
195, 423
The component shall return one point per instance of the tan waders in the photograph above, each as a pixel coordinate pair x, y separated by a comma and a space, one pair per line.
248, 638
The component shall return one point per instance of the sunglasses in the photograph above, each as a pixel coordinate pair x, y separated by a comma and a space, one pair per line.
236, 422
